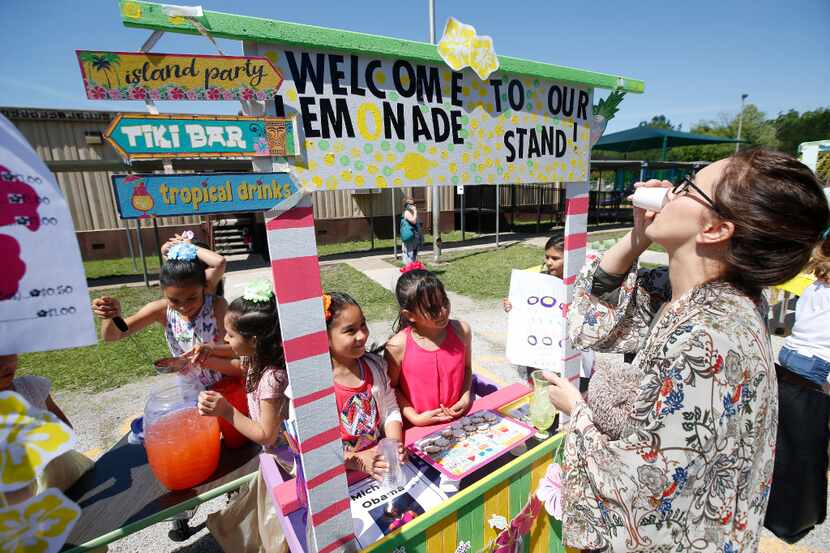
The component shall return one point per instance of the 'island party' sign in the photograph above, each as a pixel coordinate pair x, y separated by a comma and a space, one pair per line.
145, 136
160, 195
142, 76
378, 122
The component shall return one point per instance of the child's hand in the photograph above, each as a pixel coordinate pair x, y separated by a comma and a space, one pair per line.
461, 406
435, 416
507, 305
199, 353
370, 462
213, 404
106, 307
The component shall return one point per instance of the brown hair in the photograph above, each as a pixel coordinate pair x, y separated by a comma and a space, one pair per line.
779, 211
820, 263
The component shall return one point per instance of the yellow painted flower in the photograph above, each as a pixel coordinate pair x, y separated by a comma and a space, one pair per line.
131, 10
456, 43
483, 59
415, 166
29, 439
177, 20
38, 525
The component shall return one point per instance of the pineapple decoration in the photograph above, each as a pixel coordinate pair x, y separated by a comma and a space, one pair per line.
603, 113
141, 198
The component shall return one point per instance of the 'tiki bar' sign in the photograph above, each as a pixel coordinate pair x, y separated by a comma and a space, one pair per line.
160, 195
141, 76
145, 136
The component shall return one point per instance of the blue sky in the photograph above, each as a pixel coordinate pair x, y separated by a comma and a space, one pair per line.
696, 58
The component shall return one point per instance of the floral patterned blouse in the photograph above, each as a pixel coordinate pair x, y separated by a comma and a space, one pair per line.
693, 467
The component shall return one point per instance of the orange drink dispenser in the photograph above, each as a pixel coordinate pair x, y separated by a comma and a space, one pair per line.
182, 446
232, 389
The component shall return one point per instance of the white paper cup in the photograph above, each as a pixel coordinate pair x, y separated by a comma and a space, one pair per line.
650, 198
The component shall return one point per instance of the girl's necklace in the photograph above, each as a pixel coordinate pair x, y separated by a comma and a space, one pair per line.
422, 340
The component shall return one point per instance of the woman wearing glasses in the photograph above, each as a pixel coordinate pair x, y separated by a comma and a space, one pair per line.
691, 470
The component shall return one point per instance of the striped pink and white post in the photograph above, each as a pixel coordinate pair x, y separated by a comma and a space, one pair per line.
576, 241
296, 273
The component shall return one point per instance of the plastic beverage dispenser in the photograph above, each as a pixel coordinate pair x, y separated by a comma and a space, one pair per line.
182, 447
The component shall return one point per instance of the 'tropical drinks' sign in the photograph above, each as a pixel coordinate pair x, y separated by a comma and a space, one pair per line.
146, 136
160, 195
140, 76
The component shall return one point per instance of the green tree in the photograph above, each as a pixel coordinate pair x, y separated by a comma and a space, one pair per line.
756, 130
661, 122
791, 129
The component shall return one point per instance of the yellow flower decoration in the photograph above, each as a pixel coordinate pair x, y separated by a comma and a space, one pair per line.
483, 57
456, 43
29, 439
461, 47
131, 10
38, 525
177, 20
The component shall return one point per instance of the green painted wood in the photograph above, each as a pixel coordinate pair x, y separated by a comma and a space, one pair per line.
470, 523
416, 545
519, 494
555, 545
149, 15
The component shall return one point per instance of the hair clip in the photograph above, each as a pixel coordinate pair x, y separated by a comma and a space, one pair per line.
182, 252
826, 234
258, 291
327, 306
413, 266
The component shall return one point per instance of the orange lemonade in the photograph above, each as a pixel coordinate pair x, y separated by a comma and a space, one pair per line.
182, 448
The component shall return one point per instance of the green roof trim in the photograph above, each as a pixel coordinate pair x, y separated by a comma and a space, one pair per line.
149, 15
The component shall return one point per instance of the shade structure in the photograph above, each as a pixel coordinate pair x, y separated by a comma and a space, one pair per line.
646, 138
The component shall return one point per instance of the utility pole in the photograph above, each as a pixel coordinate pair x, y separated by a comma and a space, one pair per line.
436, 199
740, 122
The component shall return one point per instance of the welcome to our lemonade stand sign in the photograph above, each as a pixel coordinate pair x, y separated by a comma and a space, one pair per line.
378, 122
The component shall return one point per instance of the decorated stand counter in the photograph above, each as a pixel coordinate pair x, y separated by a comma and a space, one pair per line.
335, 110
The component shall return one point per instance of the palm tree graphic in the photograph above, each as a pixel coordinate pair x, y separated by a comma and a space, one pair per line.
103, 62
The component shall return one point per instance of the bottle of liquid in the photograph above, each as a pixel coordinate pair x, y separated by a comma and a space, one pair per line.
182, 446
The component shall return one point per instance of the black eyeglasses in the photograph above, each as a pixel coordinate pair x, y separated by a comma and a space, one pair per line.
684, 185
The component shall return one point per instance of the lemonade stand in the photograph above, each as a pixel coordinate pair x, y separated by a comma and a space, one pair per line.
372, 112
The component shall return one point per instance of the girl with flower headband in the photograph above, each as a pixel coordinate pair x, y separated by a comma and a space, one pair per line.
429, 358
366, 402
191, 314
252, 329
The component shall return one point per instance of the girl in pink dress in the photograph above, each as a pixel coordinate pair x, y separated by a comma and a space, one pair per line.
429, 357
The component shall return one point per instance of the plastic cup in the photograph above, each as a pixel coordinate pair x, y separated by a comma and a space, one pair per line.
388, 448
650, 198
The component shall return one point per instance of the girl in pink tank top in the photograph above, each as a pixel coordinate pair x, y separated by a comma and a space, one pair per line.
429, 356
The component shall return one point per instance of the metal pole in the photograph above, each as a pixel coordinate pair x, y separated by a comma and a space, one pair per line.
394, 229
498, 201
158, 241
740, 122
436, 198
141, 252
130, 246
372, 221
462, 211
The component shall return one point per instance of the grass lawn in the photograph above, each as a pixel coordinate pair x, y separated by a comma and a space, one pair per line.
484, 274
118, 267
377, 302
111, 364
366, 245
617, 234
